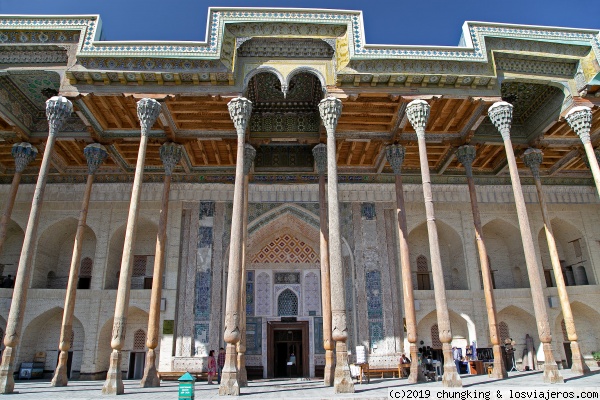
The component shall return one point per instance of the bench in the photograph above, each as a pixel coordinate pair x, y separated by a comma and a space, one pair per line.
174, 375
385, 370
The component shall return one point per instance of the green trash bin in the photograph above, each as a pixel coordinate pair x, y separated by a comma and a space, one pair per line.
186, 386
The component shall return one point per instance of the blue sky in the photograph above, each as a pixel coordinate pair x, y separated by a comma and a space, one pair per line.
420, 22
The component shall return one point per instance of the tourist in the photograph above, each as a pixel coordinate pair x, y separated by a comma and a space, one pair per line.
220, 364
456, 356
212, 366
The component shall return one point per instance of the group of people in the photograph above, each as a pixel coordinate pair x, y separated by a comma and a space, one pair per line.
215, 367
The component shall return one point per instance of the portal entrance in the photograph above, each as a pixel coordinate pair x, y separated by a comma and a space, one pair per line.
287, 342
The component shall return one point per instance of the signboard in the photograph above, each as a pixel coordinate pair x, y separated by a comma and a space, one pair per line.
168, 327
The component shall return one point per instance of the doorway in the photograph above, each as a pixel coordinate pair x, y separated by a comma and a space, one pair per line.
287, 349
69, 362
568, 355
137, 362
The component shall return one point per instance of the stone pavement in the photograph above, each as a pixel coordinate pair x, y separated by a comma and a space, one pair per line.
290, 389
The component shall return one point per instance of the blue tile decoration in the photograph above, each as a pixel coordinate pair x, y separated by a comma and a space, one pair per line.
374, 306
319, 349
205, 236
250, 293
207, 209
202, 308
367, 211
201, 332
254, 335
375, 332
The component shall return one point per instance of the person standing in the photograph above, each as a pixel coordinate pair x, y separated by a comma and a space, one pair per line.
220, 363
456, 356
212, 366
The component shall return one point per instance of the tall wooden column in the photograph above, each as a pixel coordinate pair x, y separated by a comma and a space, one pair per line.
580, 120
466, 155
23, 154
58, 109
395, 156
532, 159
148, 111
249, 154
240, 109
170, 154
500, 114
330, 110
320, 154
95, 154
417, 112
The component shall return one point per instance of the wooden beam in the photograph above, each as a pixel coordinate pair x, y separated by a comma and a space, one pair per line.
364, 153
216, 150
203, 152
229, 153
455, 113
350, 153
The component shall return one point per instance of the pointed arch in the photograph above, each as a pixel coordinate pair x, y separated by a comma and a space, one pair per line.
260, 70
309, 70
505, 250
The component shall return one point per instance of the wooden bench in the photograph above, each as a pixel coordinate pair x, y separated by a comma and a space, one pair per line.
393, 370
174, 375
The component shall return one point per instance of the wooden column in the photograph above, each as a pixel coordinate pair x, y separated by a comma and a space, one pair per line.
500, 114
170, 154
58, 109
240, 109
466, 155
23, 154
580, 120
395, 156
417, 112
320, 154
95, 154
249, 154
532, 159
148, 111
330, 110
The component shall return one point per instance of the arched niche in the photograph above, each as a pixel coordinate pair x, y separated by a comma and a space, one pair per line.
11, 251
506, 256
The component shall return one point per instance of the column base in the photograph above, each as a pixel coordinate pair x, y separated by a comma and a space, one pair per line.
450, 377
114, 379
242, 374
229, 377
416, 373
499, 371
7, 380
60, 375
343, 380
150, 378
579, 367
551, 374
329, 371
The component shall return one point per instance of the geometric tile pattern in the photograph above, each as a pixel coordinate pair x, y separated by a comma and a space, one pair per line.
374, 304
319, 349
202, 306
207, 209
263, 294
435, 337
139, 340
201, 336
287, 303
250, 293
205, 236
375, 332
503, 331
253, 335
286, 249
139, 265
367, 211
312, 293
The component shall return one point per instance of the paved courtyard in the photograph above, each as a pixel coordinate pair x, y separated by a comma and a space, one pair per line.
294, 389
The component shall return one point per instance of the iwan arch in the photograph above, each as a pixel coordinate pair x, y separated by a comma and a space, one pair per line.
285, 187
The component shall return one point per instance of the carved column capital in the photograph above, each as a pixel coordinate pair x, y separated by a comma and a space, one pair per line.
395, 156
466, 155
240, 109
320, 155
147, 111
532, 158
23, 153
170, 155
500, 114
249, 155
330, 109
94, 154
580, 120
417, 112
58, 109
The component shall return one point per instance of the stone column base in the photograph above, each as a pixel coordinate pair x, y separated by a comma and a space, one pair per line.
499, 371
343, 380
329, 371
114, 378
416, 373
229, 377
579, 367
7, 380
150, 378
60, 375
551, 374
450, 377
242, 374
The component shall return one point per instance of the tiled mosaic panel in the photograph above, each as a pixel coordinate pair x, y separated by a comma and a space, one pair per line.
308, 218
367, 211
312, 293
250, 293
253, 335
287, 303
374, 306
263, 294
375, 332
202, 307
319, 349
205, 236
286, 249
287, 278
207, 209
435, 337
201, 336
312, 207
